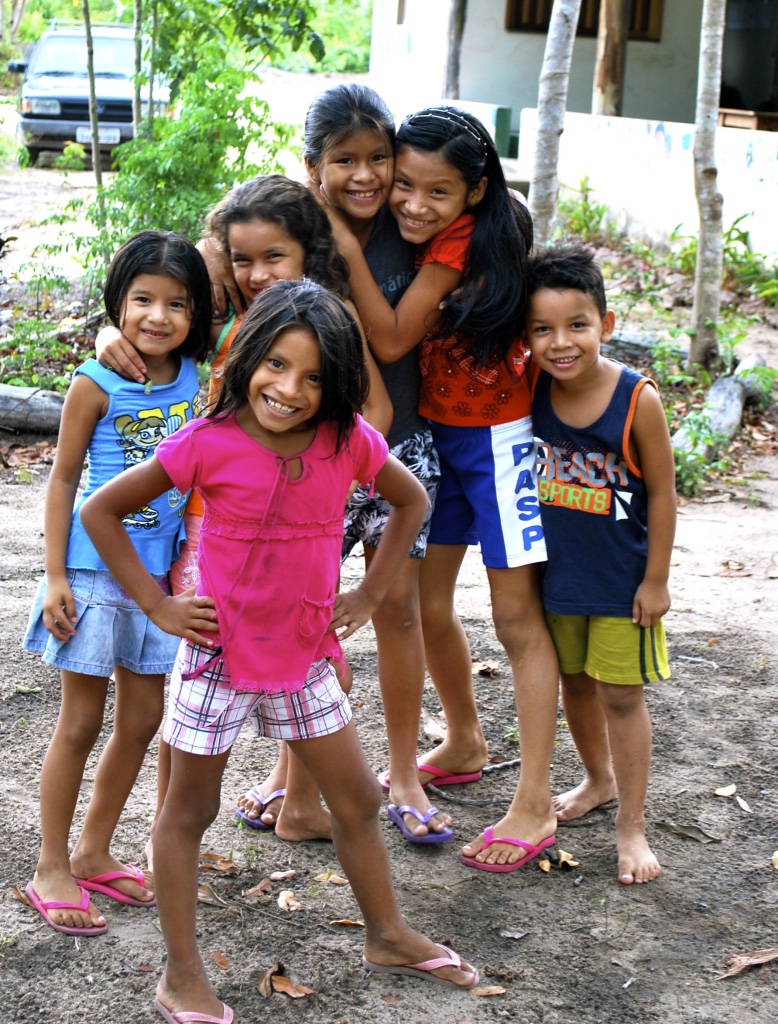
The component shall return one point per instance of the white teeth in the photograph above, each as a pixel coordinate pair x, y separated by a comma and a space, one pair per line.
278, 407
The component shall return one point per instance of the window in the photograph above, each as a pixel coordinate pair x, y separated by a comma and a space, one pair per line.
645, 18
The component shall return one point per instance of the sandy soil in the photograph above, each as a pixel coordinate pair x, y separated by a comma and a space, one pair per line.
563, 947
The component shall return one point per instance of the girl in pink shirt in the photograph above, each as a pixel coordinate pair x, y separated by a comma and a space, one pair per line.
266, 620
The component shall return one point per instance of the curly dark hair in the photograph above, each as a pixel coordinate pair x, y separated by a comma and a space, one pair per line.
302, 304
169, 254
291, 206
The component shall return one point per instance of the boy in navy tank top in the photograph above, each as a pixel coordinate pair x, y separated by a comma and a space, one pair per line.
606, 483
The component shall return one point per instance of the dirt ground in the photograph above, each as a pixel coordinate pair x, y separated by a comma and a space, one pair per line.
558, 948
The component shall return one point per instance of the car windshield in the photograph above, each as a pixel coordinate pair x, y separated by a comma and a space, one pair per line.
112, 56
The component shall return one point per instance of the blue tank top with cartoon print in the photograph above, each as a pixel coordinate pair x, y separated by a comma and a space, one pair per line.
136, 421
593, 505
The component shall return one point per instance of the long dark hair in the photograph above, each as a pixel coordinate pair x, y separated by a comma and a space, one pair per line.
163, 253
342, 111
293, 208
302, 304
485, 310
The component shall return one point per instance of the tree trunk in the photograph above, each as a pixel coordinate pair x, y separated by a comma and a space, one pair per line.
552, 100
17, 13
152, 65
456, 29
137, 25
90, 66
611, 57
704, 347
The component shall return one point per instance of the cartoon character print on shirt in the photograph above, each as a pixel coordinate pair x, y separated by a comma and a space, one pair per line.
583, 481
139, 439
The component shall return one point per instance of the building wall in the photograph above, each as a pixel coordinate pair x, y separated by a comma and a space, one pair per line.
408, 60
644, 171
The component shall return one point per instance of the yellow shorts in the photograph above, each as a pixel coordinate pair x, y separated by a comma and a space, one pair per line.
612, 650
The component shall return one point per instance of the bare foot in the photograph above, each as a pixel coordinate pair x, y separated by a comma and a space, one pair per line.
637, 861
59, 887
515, 825
413, 948
298, 824
267, 811
86, 867
576, 803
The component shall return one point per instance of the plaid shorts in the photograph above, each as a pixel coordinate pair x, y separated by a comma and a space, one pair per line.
205, 714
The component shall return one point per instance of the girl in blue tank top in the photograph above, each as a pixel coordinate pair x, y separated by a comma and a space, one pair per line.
158, 294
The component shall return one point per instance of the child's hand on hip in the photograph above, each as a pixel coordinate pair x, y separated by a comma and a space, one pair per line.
187, 615
59, 609
349, 612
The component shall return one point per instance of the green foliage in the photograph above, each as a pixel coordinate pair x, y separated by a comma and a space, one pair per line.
72, 157
761, 379
705, 455
580, 217
33, 358
345, 27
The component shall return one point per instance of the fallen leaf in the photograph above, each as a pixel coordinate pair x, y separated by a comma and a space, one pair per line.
513, 935
392, 1000
215, 862
263, 888
772, 568
498, 759
279, 876
733, 568
329, 877
22, 897
545, 865
205, 894
288, 901
347, 922
566, 860
265, 980
773, 861
489, 668
743, 804
740, 961
712, 642
433, 728
690, 831
221, 961
288, 988
726, 790
488, 990
25, 690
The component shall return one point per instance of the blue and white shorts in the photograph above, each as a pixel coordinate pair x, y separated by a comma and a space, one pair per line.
367, 514
111, 630
205, 714
488, 492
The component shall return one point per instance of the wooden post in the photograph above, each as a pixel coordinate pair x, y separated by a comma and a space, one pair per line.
611, 57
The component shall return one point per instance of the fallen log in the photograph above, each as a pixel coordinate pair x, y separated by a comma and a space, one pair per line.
30, 410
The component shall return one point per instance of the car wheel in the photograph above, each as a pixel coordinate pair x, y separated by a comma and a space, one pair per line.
32, 156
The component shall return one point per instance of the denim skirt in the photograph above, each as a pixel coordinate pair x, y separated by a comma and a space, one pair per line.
110, 630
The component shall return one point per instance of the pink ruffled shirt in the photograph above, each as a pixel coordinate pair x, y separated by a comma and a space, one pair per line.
269, 552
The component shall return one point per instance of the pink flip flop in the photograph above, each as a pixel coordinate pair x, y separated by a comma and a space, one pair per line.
193, 1017
102, 884
43, 908
490, 837
423, 969
440, 777
259, 797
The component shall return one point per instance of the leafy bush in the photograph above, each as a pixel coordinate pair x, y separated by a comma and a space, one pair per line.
345, 27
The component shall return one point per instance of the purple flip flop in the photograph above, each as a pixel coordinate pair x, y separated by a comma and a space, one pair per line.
258, 796
396, 813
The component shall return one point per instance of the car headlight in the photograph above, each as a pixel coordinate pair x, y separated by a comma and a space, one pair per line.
48, 108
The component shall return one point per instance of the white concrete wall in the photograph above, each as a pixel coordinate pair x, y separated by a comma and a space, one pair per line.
644, 171
407, 64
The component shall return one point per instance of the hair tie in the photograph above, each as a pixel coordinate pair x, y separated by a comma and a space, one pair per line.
442, 114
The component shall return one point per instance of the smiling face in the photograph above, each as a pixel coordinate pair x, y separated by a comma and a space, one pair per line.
356, 174
428, 194
564, 331
284, 393
156, 314
261, 253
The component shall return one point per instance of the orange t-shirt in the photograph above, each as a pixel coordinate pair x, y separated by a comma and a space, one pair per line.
194, 507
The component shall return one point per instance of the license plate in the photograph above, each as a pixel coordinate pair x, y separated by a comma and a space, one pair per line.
106, 136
